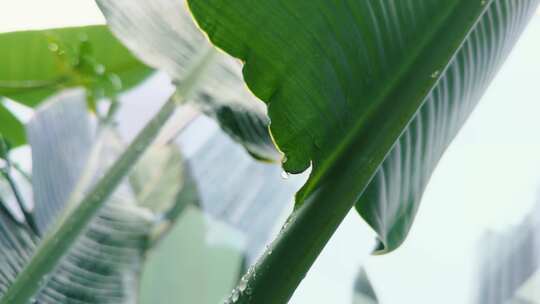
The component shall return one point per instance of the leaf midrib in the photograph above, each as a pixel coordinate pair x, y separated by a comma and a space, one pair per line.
383, 102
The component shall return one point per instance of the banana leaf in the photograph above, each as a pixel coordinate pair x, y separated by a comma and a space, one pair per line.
509, 263
367, 93
363, 291
36, 64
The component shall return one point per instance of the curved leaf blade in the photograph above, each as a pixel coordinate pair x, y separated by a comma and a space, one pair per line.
377, 81
164, 36
370, 93
363, 291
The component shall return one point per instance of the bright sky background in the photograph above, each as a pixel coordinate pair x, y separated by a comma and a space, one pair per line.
488, 179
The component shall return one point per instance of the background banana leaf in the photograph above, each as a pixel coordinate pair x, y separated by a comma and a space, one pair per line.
363, 291
36, 64
248, 195
103, 264
164, 36
11, 126
370, 94
509, 263
62, 138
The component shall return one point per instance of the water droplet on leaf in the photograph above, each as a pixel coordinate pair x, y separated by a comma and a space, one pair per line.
243, 284
53, 47
235, 295
99, 69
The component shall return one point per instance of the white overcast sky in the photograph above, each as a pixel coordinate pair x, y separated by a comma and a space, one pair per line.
488, 179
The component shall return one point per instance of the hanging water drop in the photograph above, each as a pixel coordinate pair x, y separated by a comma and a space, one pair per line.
116, 81
99, 69
43, 280
83, 37
268, 250
284, 175
251, 272
242, 285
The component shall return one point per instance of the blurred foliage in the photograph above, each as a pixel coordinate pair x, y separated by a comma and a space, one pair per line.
185, 267
36, 64
363, 290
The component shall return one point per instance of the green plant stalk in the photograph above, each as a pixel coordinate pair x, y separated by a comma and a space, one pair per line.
61, 238
5, 172
20, 200
285, 263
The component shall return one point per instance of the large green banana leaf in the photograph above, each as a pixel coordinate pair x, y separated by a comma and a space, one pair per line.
164, 36
104, 263
380, 87
369, 93
35, 64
